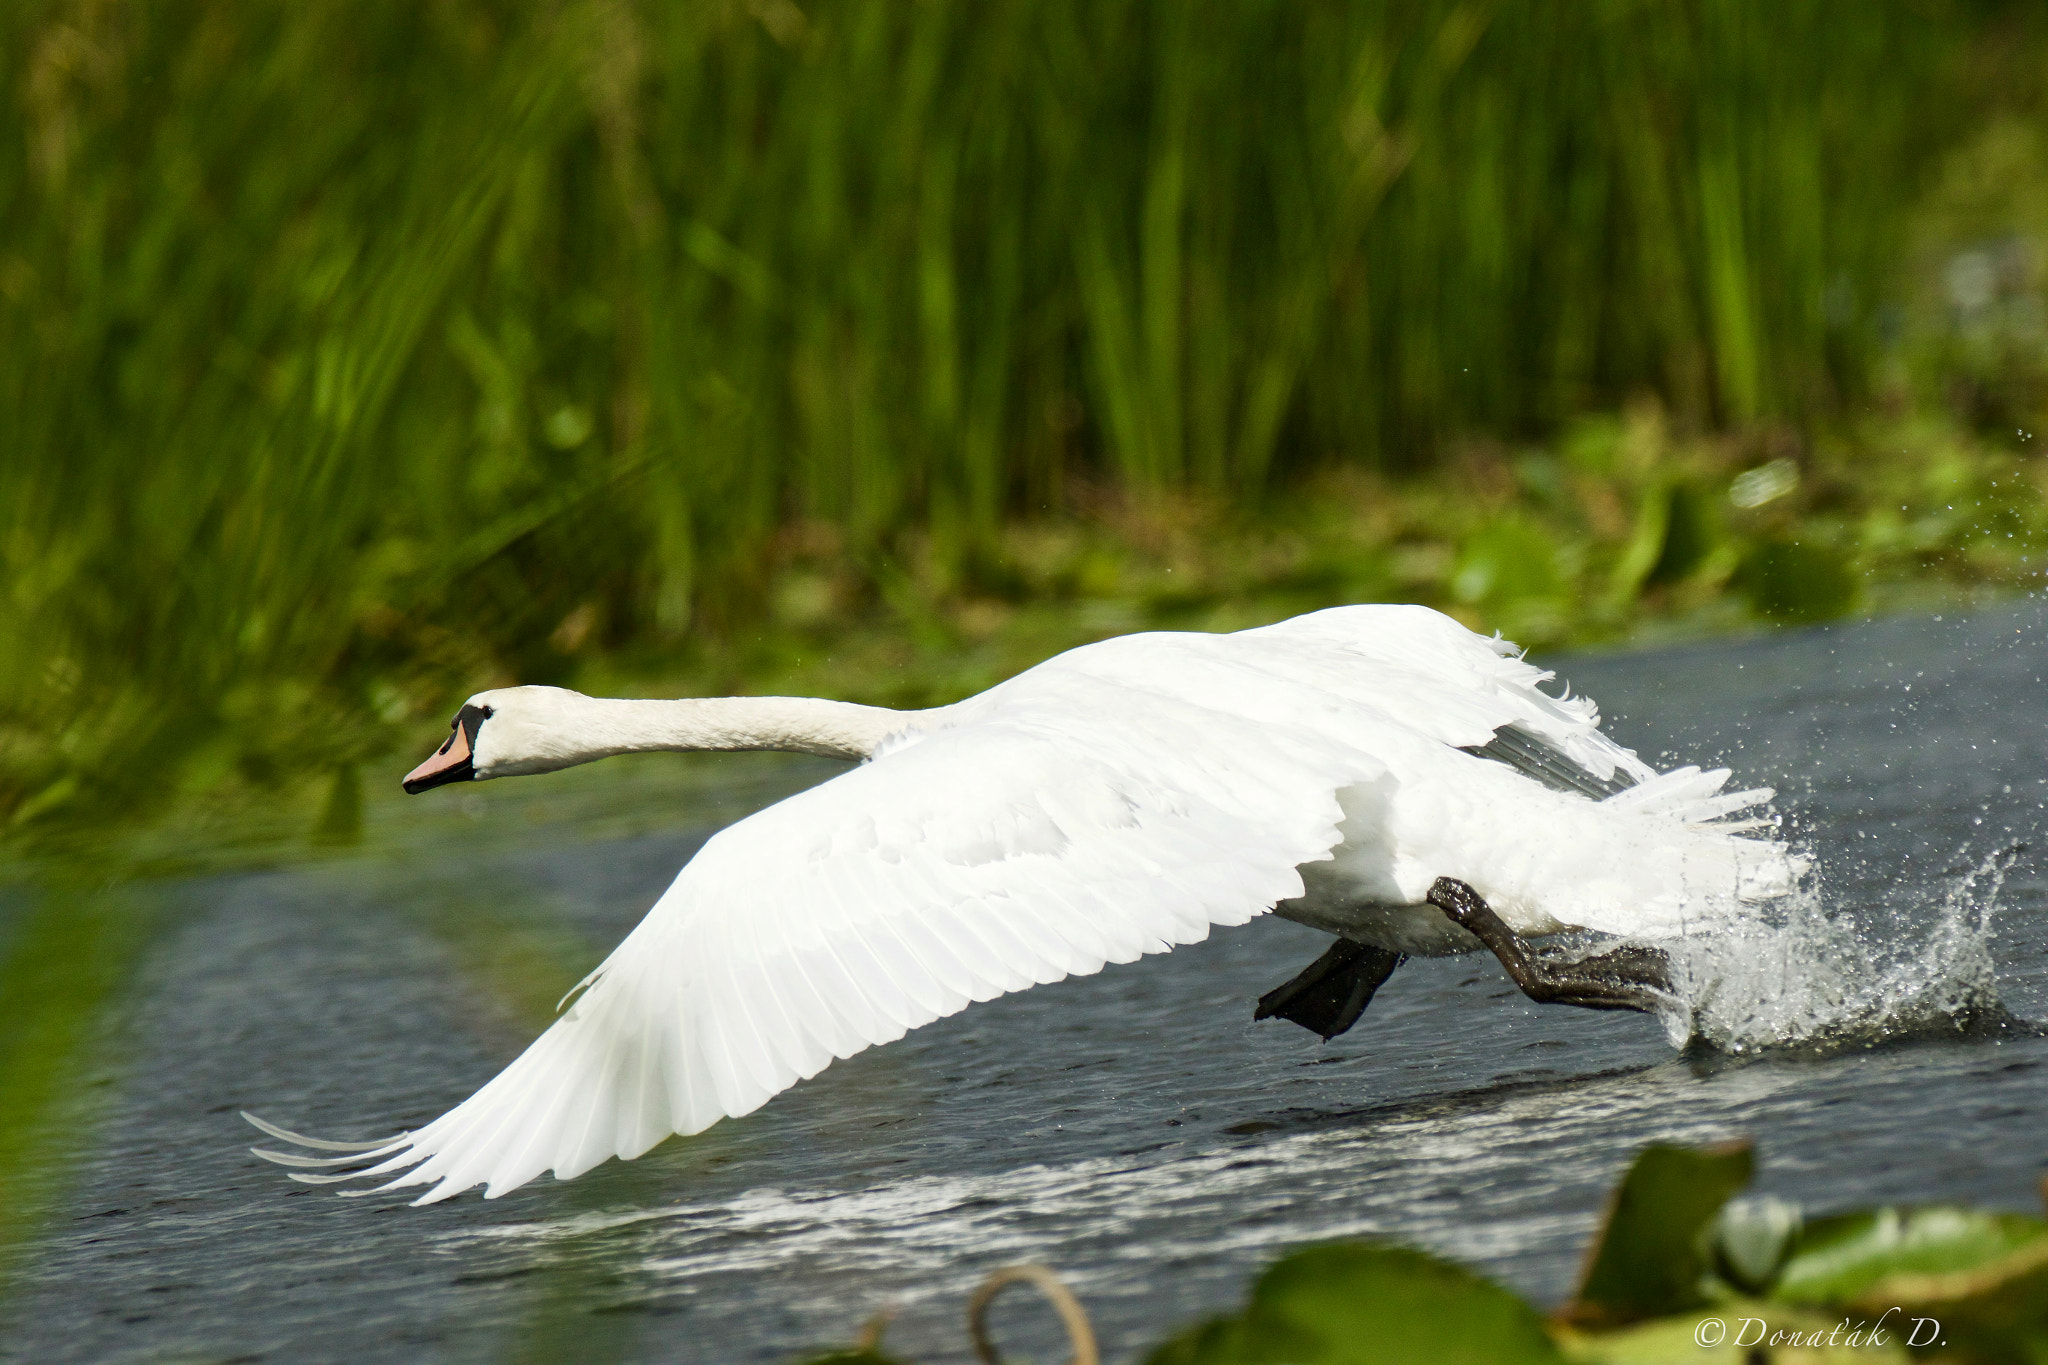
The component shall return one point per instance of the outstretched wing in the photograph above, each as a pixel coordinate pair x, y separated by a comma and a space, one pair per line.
1083, 825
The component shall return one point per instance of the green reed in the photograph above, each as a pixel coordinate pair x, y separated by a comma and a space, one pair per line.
352, 351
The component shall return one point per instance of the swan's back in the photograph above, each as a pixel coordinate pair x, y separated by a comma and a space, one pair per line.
1363, 671
1477, 772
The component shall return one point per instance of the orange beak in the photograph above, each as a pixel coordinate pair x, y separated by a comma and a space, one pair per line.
452, 761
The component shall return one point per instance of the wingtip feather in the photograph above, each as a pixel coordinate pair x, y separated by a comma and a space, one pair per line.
323, 1144
309, 1162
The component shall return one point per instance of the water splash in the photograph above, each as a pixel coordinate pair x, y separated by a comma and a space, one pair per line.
1801, 978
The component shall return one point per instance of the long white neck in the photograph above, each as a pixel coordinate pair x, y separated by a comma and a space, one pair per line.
803, 725
542, 729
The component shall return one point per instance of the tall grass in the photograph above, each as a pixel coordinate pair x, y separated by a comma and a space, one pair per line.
348, 347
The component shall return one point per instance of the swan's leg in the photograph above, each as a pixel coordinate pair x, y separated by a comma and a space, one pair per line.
1331, 992
1625, 979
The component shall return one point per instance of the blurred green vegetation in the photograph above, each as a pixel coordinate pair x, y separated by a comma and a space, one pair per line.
67, 956
357, 355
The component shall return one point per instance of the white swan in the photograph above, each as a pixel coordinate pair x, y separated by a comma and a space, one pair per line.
1379, 772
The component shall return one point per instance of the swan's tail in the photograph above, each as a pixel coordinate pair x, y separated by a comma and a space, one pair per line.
1763, 868
1693, 796
1671, 856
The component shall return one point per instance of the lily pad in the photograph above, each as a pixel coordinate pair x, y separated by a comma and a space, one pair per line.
1365, 1305
1737, 1332
1970, 1281
1844, 1258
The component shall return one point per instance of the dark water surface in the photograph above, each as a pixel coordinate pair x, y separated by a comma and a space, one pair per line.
1134, 1129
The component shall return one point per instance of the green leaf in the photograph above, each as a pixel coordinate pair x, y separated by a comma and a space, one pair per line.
1691, 532
1845, 1258
1218, 1341
1973, 1282
1645, 546
1348, 1304
1647, 1261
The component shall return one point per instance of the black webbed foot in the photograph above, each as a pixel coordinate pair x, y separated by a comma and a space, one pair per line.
1628, 978
1630, 965
1331, 992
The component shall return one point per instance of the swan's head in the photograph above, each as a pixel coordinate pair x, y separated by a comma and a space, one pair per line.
508, 732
